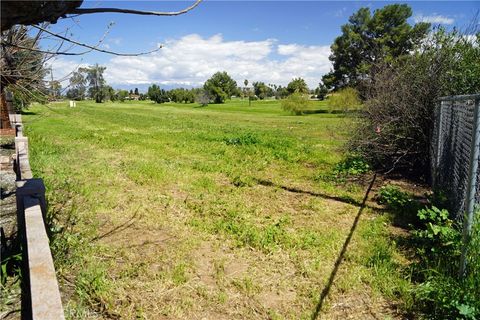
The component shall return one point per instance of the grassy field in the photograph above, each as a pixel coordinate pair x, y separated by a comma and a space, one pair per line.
222, 212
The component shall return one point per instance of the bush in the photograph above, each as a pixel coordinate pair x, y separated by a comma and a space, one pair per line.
352, 165
202, 98
441, 293
438, 238
397, 119
296, 103
394, 198
346, 99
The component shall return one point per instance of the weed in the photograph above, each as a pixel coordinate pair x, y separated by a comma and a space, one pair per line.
242, 140
352, 165
179, 274
441, 293
92, 285
394, 198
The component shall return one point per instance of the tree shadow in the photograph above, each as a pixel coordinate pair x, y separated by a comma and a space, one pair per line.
344, 199
315, 111
28, 113
127, 224
336, 266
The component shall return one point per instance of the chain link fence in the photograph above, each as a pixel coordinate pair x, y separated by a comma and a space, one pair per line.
455, 156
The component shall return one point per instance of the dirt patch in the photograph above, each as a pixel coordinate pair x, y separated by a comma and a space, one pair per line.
361, 305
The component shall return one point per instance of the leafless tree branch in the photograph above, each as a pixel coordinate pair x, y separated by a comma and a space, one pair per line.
79, 11
94, 48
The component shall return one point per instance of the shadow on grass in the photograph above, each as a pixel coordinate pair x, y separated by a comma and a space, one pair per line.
315, 111
127, 224
344, 199
28, 113
340, 257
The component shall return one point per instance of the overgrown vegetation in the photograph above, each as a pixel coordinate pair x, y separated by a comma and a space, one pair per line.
441, 293
396, 126
436, 239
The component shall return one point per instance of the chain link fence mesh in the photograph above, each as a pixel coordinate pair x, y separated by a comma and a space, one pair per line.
453, 136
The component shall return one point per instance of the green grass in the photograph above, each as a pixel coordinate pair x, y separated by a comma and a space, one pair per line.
177, 210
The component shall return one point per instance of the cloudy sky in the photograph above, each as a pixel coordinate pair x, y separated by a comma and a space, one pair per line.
270, 41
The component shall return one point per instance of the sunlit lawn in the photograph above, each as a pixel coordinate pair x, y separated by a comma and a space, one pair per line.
181, 211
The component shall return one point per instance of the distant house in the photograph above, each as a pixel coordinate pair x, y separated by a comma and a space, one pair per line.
135, 97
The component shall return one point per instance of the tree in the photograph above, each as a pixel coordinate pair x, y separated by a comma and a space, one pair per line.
281, 92
396, 125
220, 87
321, 91
296, 103
77, 86
35, 12
261, 90
368, 38
297, 85
156, 94
55, 89
110, 93
22, 71
136, 91
182, 95
122, 95
202, 98
345, 99
96, 82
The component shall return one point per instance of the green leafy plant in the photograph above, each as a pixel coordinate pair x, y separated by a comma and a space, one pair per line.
438, 237
245, 139
352, 165
394, 198
9, 265
442, 293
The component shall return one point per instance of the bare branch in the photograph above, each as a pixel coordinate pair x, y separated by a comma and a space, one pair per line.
95, 48
79, 11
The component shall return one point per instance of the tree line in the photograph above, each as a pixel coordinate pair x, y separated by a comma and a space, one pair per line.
89, 83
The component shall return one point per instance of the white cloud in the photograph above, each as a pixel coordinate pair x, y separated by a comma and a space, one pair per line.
192, 59
435, 19
288, 49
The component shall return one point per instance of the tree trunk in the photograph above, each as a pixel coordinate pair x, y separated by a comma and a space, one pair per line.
5, 119
33, 12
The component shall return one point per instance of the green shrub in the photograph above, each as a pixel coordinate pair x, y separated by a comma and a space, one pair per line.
442, 294
296, 103
352, 165
438, 238
394, 198
346, 99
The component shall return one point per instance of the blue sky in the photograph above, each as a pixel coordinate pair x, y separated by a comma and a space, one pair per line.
269, 41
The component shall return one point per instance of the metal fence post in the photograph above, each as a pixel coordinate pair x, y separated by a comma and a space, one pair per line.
471, 186
438, 145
